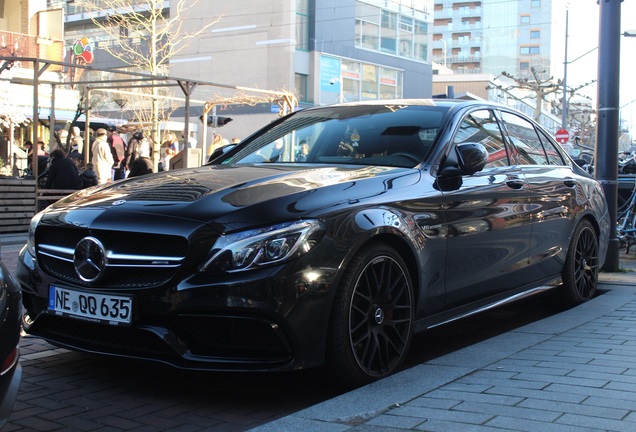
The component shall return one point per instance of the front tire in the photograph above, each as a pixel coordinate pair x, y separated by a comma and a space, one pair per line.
580, 272
372, 317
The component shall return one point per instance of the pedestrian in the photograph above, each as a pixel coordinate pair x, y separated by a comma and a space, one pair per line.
76, 139
61, 138
41, 148
189, 143
118, 150
217, 142
89, 176
102, 157
171, 142
164, 163
138, 146
62, 172
140, 166
170, 148
76, 156
28, 147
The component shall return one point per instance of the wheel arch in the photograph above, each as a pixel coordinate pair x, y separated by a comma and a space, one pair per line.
596, 225
399, 242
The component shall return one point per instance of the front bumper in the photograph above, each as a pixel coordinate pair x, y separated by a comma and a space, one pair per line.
270, 319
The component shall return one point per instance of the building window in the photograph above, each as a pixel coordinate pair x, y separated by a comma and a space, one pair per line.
535, 3
369, 82
405, 48
302, 25
389, 32
524, 19
528, 50
535, 34
360, 81
420, 49
390, 85
351, 79
367, 26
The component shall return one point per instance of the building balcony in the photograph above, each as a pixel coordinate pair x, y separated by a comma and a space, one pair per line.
455, 59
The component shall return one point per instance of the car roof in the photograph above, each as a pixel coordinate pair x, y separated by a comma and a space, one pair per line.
447, 103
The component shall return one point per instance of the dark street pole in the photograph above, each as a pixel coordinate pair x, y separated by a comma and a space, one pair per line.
607, 122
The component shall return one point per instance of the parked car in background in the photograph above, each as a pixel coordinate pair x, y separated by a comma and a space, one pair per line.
403, 215
10, 327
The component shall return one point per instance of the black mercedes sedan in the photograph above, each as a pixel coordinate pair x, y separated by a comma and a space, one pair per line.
10, 328
328, 237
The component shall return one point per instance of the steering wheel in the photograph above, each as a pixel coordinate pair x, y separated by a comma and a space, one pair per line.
409, 156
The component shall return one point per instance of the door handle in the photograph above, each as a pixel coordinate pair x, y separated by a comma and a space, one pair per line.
515, 183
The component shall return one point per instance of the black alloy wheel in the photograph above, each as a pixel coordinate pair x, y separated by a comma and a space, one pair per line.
580, 272
372, 320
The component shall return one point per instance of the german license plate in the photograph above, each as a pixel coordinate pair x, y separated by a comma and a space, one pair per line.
104, 308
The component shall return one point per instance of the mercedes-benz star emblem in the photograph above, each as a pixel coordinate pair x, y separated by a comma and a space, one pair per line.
89, 259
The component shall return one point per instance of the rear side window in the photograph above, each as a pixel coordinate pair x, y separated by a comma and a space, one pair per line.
482, 127
555, 157
528, 145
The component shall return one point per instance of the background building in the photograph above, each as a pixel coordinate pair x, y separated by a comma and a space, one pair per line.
323, 50
491, 36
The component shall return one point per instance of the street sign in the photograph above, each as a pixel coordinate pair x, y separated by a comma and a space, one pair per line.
562, 136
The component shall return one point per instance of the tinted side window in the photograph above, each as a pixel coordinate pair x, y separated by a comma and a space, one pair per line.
481, 126
524, 136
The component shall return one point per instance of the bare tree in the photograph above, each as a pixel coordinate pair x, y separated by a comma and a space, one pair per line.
145, 36
539, 88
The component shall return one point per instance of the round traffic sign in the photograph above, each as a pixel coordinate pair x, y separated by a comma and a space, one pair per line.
562, 136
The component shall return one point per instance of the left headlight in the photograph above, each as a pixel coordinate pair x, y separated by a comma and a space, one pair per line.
251, 249
31, 238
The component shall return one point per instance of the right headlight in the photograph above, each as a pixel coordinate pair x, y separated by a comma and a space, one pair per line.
252, 249
31, 238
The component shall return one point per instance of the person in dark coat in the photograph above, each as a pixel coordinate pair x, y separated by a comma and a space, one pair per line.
89, 176
140, 166
118, 149
62, 173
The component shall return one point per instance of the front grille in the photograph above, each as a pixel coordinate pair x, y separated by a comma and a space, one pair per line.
137, 266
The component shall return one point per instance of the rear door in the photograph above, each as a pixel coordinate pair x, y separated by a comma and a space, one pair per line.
487, 218
553, 187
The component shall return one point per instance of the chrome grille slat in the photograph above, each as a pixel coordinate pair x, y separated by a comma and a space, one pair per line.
153, 260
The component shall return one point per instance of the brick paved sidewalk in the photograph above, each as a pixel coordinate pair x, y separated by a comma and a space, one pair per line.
573, 371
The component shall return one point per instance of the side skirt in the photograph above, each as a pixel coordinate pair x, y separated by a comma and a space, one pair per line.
484, 305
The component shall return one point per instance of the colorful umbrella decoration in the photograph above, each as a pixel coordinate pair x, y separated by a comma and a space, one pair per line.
81, 54
83, 51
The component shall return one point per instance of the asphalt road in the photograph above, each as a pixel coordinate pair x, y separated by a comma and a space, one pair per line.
64, 390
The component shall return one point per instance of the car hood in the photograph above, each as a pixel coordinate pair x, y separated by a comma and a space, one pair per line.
234, 197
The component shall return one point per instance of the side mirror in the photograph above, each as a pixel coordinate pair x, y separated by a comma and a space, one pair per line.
473, 157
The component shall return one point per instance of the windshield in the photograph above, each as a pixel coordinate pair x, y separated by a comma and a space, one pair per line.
387, 135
